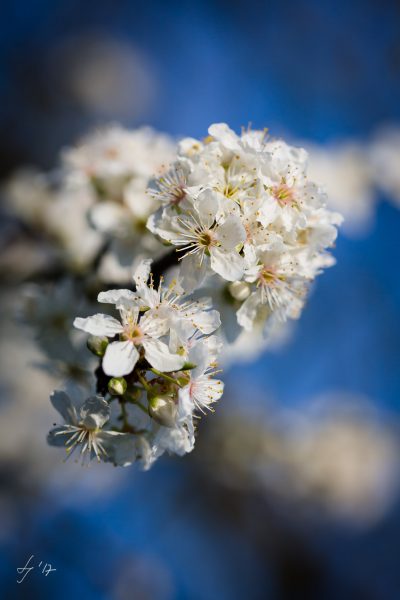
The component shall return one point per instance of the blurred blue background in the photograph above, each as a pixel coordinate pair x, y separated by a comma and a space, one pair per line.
317, 70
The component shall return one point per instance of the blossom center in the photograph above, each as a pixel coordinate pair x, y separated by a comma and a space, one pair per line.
268, 278
230, 190
177, 195
284, 195
133, 333
206, 238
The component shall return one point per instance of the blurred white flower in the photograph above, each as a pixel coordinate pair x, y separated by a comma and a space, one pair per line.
337, 457
28, 195
117, 164
344, 171
105, 75
50, 310
384, 156
83, 429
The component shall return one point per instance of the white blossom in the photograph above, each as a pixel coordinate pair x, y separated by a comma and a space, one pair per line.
83, 429
148, 316
136, 334
344, 171
384, 159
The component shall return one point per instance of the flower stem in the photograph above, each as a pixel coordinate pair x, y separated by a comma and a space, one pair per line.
165, 376
143, 382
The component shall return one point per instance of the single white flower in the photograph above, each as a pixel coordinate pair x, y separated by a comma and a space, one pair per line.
206, 242
171, 305
384, 161
137, 334
83, 429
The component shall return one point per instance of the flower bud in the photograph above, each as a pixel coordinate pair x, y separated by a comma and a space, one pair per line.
117, 386
163, 410
240, 290
97, 344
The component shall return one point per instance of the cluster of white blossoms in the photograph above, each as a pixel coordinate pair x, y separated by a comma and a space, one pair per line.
232, 222
242, 210
97, 196
159, 360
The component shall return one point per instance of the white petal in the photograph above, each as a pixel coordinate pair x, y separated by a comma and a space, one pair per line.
59, 436
231, 232
121, 448
99, 325
95, 412
159, 356
142, 272
229, 265
108, 217
62, 403
199, 356
120, 358
225, 135
247, 313
207, 321
181, 332
114, 296
164, 223
192, 273
178, 440
207, 205
268, 211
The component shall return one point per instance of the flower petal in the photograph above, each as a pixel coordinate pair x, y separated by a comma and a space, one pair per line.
121, 448
142, 273
193, 272
229, 265
59, 436
160, 357
62, 403
225, 135
206, 206
247, 313
231, 232
148, 295
206, 321
99, 325
114, 296
120, 358
95, 411
108, 217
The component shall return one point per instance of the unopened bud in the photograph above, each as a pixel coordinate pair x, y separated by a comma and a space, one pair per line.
163, 410
117, 386
240, 290
97, 344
